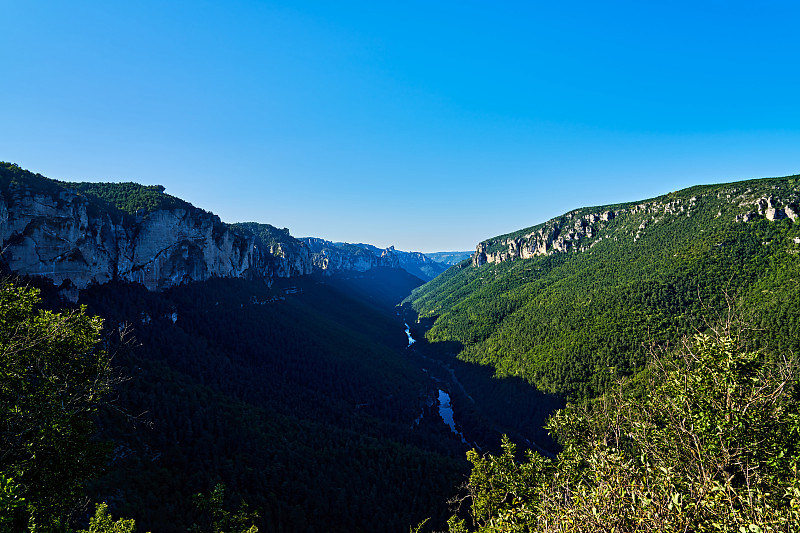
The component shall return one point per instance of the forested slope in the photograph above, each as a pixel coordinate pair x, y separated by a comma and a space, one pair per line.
131, 198
298, 397
571, 304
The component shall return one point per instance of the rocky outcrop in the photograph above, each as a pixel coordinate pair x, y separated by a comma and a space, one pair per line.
175, 247
771, 208
416, 263
51, 230
290, 258
330, 257
334, 256
61, 238
582, 229
54, 237
564, 234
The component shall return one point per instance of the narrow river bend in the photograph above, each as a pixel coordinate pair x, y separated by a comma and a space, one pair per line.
445, 407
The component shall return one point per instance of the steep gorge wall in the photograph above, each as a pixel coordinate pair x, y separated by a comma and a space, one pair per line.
57, 231
582, 229
64, 238
329, 256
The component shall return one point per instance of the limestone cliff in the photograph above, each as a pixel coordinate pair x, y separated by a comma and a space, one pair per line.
49, 229
581, 229
419, 264
289, 256
79, 234
329, 256
55, 237
333, 256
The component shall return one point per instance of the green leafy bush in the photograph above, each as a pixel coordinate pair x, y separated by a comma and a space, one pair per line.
52, 381
711, 446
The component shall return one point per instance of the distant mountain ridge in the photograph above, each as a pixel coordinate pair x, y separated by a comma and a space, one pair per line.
80, 234
361, 257
449, 258
573, 302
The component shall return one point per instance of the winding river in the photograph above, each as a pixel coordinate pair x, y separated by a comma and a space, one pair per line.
446, 412
408, 332
445, 407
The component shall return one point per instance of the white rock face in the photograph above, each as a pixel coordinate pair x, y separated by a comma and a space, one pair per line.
291, 259
555, 236
174, 247
75, 241
330, 256
574, 233
57, 238
63, 237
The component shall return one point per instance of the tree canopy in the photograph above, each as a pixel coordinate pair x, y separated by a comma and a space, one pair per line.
53, 378
707, 440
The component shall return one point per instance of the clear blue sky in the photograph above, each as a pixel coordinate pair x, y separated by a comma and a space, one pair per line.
430, 125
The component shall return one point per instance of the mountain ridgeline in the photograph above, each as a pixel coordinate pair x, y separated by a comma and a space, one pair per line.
449, 258
361, 257
572, 304
78, 234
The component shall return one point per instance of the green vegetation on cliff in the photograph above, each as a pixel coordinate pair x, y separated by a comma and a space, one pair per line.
12, 176
595, 287
268, 234
131, 198
116, 199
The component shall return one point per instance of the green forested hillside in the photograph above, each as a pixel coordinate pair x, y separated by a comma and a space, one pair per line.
299, 397
292, 397
614, 278
269, 235
131, 198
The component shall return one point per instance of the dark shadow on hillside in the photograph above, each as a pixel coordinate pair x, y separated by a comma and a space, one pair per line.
296, 396
381, 287
485, 407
